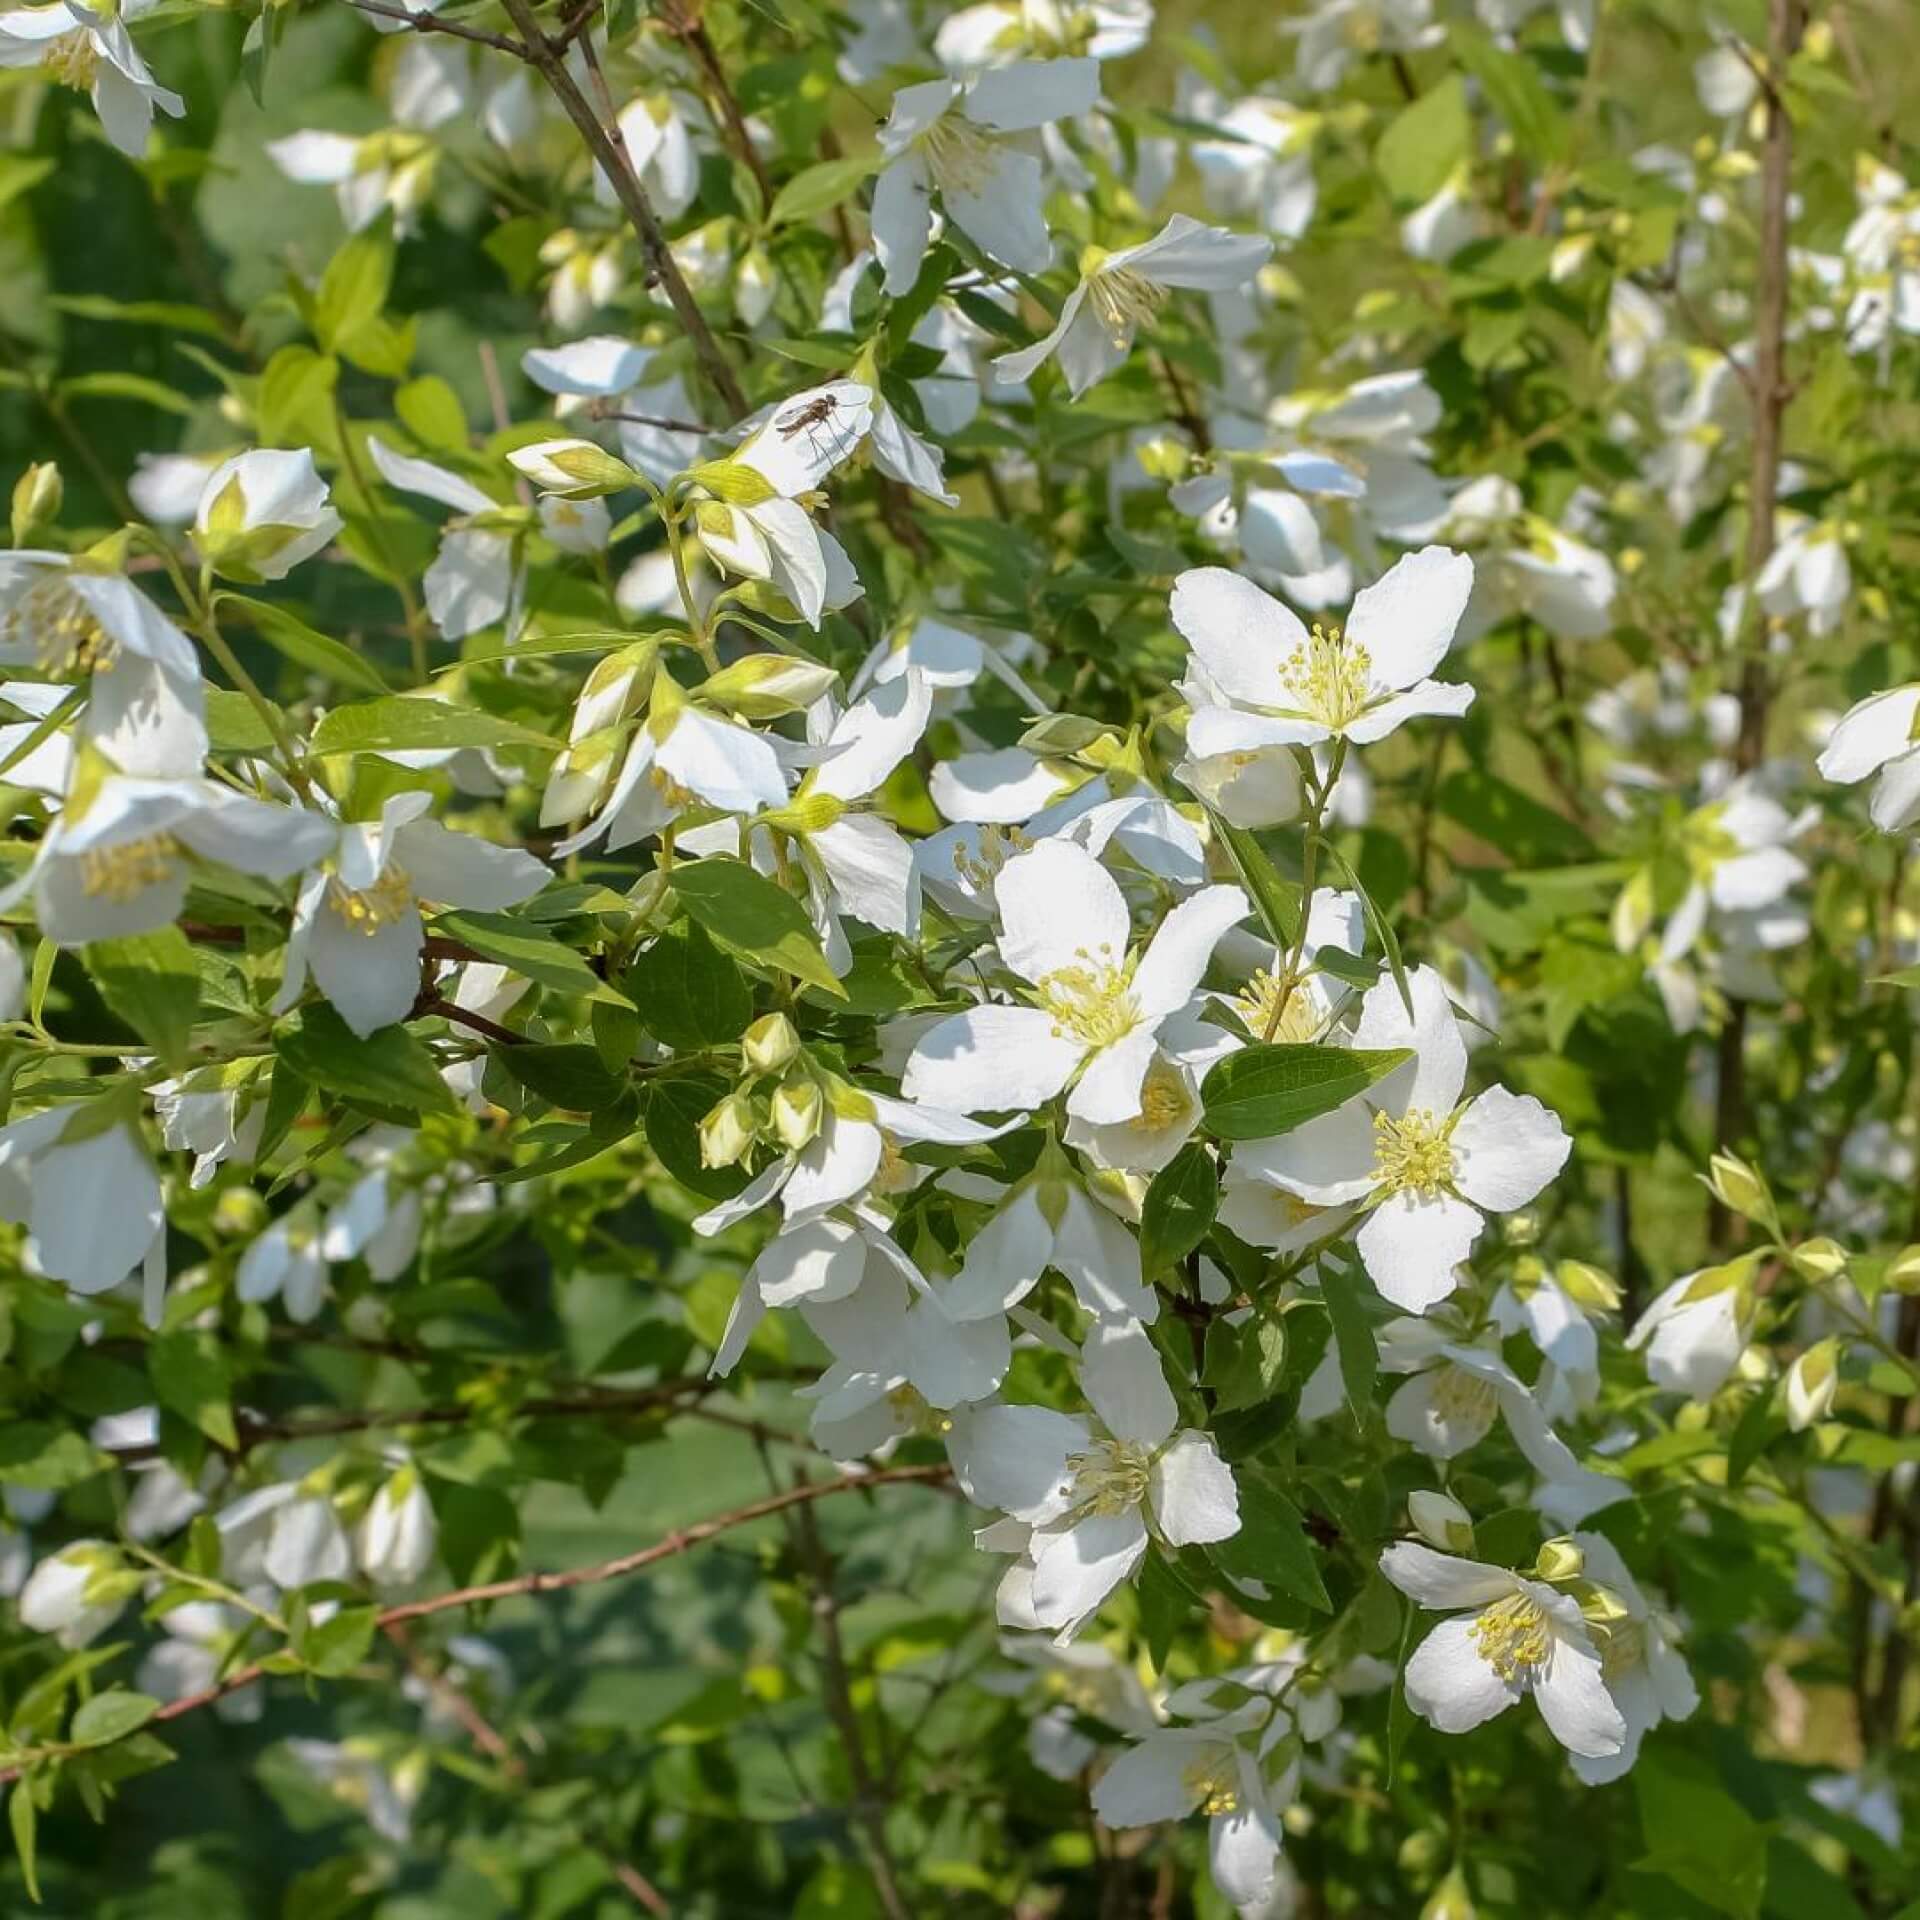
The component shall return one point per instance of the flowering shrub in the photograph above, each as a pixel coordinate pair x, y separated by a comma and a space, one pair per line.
958, 964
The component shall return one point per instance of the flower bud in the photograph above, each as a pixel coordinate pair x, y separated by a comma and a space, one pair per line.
1520, 1229
769, 1043
767, 686
797, 1108
1560, 1559
727, 1132
262, 513
1421, 1852
1741, 1189
1819, 1260
397, 1534
71, 1593
574, 469
37, 495
1587, 1286
1450, 1900
1440, 1520
1903, 1271
1812, 1381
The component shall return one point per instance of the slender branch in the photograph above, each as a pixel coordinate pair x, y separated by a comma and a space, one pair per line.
681, 1540
432, 23
689, 27
609, 151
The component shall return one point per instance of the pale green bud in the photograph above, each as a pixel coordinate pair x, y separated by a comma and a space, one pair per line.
1440, 1520
574, 469
767, 686
1586, 1286
1741, 1189
1450, 1900
1560, 1559
1819, 1260
727, 1132
37, 495
1903, 1271
1812, 1381
797, 1110
769, 1043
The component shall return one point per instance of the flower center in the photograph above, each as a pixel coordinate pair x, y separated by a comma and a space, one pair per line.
1257, 1003
368, 909
912, 1410
961, 156
1214, 1782
1512, 1637
1110, 1477
1164, 1101
61, 627
1413, 1154
1623, 1646
72, 59
671, 791
1328, 678
998, 845
125, 872
1090, 1001
1361, 29
1462, 1398
1124, 300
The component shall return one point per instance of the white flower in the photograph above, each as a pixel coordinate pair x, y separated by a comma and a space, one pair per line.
376, 1223
54, 1598
1643, 1671
1097, 1006
658, 134
205, 1116
1697, 1329
1878, 735
1216, 1770
954, 137
79, 1180
146, 705
1287, 687
606, 372
1094, 1493
392, 169
191, 1657
1426, 1165
285, 1261
261, 513
119, 857
357, 927
1264, 173
1339, 30
382, 1796
1120, 292
1521, 1637
397, 1535
1807, 572
93, 53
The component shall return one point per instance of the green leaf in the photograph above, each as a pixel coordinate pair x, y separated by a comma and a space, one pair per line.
337, 1644
1699, 1836
152, 981
234, 725
288, 634
1352, 1337
1272, 1545
126, 386
1179, 1208
752, 917
1517, 94
821, 187
509, 941
190, 1378
295, 403
675, 1109
408, 724
354, 288
431, 411
111, 1716
173, 315
39, 1455
1529, 833
1426, 142
1262, 1091
24, 1820
689, 993
389, 1070
1275, 899
21, 173
1244, 1364
1166, 1605
566, 1074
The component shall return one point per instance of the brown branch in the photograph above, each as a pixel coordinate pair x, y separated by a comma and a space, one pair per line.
466, 1017
609, 151
689, 27
432, 23
681, 1540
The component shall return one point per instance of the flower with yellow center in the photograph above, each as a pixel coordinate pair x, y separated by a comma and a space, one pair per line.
1509, 1637
1273, 682
91, 51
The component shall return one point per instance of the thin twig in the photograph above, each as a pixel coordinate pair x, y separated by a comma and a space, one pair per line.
432, 23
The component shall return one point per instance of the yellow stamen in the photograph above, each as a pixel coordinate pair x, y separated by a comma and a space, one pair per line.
1299, 1021
72, 60
1326, 678
124, 872
370, 909
60, 627
1214, 1782
998, 845
1463, 1399
1164, 1100
1513, 1638
1110, 1477
1413, 1154
1090, 1001
962, 157
1124, 300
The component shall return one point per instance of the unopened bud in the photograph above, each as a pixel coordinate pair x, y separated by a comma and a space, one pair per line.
1812, 1381
1903, 1271
769, 1043
1560, 1559
797, 1107
767, 686
1440, 1520
1587, 1286
37, 495
574, 469
727, 1132
1520, 1229
1818, 1260
1741, 1189
1450, 1900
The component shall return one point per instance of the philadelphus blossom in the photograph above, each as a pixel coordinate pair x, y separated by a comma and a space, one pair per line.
91, 51
971, 143
1272, 683
1121, 292
1425, 1165
1096, 1006
1878, 736
262, 513
1696, 1330
1511, 1636
356, 926
1639, 1661
1092, 1495
79, 1180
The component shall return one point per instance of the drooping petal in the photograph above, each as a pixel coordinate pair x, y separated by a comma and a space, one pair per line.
1121, 1375
1450, 1686
1014, 1457
1076, 1568
1869, 735
1003, 1260
1443, 1580
1573, 1699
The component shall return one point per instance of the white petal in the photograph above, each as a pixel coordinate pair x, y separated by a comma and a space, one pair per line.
1177, 956
1192, 1493
1029, 93
1014, 1457
1239, 634
1108, 1091
1574, 1702
1406, 619
1506, 1147
1411, 1246
1120, 1374
1428, 699
991, 1059
1431, 1081
1148, 1783
1059, 907
1075, 1569
462, 870
1101, 1260
729, 767
1869, 735
1450, 1686
1003, 1260
1442, 1580
873, 736
371, 978
1426, 1415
